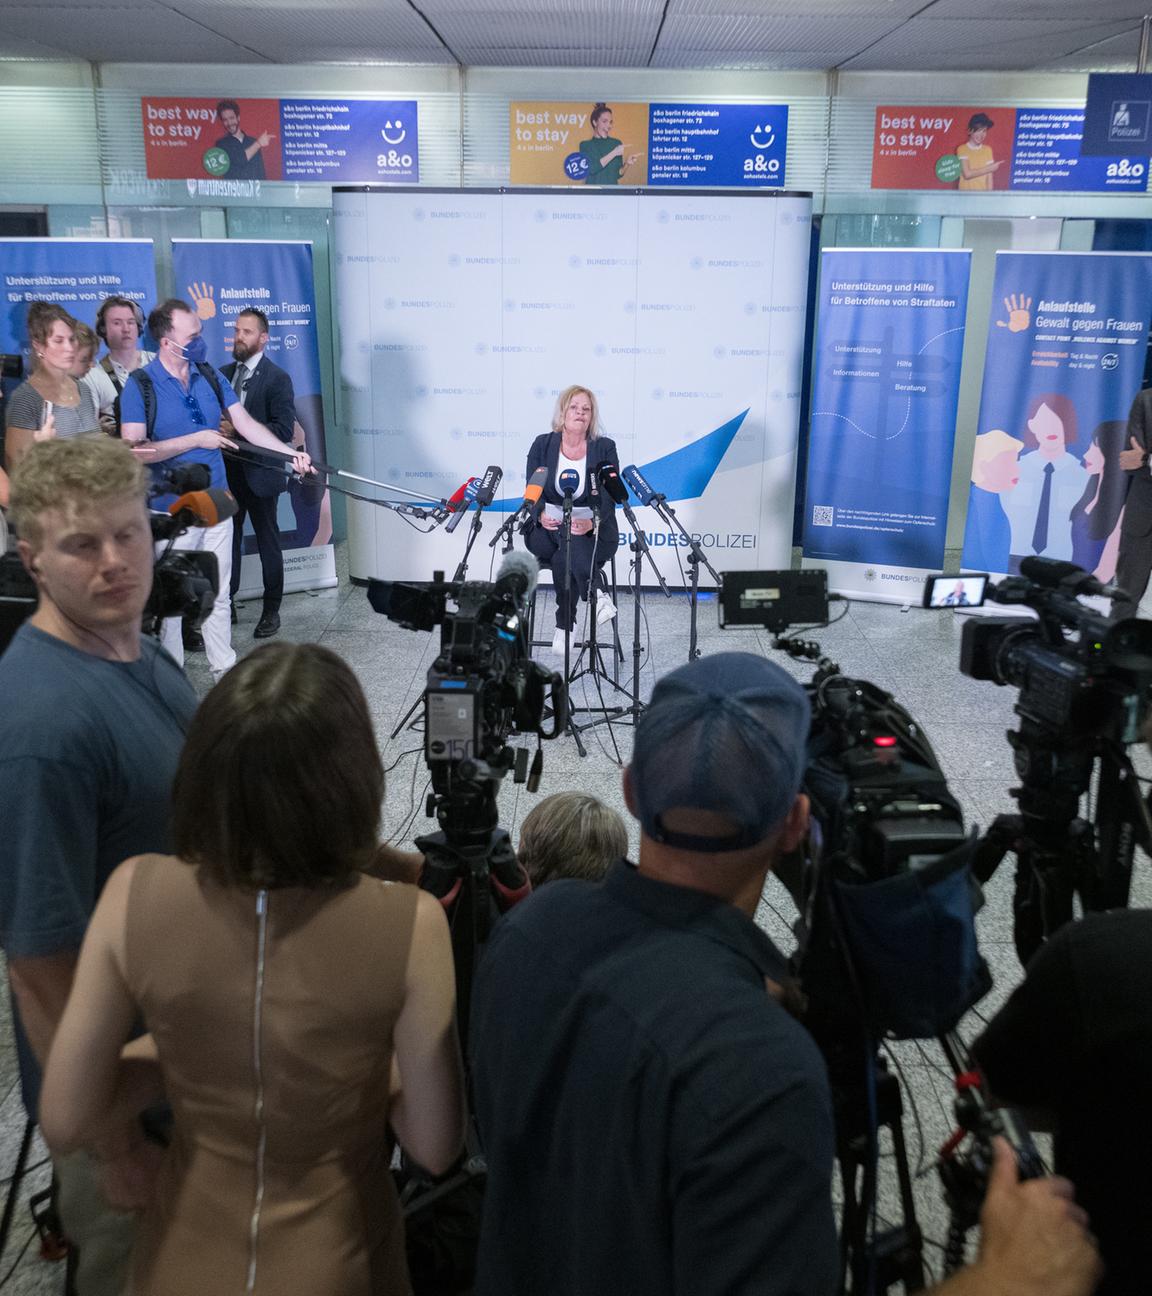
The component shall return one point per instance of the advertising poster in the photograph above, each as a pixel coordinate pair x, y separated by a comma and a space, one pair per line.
470, 312
632, 144
74, 273
1066, 346
885, 386
324, 140
973, 149
219, 278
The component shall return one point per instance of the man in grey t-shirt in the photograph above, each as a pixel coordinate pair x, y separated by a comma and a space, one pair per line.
92, 721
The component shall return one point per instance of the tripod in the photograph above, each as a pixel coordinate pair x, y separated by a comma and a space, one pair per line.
696, 556
1059, 855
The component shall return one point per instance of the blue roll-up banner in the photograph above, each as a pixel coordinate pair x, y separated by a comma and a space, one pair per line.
887, 377
219, 278
74, 273
1066, 346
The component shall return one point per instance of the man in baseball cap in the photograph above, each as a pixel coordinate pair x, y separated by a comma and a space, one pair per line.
653, 1119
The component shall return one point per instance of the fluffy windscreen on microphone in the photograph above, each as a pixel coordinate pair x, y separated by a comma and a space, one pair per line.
518, 575
207, 507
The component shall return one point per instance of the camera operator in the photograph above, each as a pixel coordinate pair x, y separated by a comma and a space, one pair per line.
92, 720
653, 1118
176, 402
1074, 1045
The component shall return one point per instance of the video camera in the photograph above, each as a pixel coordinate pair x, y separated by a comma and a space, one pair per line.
184, 582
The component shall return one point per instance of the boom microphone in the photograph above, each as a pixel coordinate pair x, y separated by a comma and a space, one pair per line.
458, 507
1053, 573
611, 484
639, 486
493, 476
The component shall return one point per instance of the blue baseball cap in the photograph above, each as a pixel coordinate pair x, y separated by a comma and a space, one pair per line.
726, 734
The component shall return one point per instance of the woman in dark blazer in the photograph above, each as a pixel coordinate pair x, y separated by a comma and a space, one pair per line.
573, 453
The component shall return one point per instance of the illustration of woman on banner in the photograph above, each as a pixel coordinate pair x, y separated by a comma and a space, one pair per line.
1051, 482
606, 160
994, 471
1097, 516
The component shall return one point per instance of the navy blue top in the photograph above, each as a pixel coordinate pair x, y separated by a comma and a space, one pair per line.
176, 417
88, 752
654, 1121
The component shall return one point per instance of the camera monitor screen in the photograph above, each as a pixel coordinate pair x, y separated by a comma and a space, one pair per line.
775, 599
955, 591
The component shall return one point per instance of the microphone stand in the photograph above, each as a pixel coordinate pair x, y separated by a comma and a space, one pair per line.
696, 556
473, 532
566, 531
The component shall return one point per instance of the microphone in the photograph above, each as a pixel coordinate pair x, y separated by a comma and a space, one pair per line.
204, 508
449, 506
1053, 573
467, 494
532, 492
609, 479
493, 476
517, 576
645, 493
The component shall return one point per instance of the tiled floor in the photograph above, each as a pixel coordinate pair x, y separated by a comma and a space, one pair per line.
913, 653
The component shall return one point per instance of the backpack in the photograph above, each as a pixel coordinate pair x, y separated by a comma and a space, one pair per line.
148, 392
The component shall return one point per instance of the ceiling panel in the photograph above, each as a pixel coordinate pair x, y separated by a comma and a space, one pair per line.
1118, 53
673, 56
152, 33
1102, 11
953, 44
837, 37
315, 33
817, 10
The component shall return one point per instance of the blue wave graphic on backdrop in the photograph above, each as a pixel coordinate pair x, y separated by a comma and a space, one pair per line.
683, 474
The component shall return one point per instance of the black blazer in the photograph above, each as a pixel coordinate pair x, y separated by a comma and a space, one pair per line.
545, 453
271, 401
1138, 503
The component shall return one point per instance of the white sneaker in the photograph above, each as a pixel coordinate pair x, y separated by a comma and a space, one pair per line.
558, 642
605, 609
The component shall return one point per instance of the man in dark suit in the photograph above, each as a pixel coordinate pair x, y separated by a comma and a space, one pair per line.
265, 391
1134, 563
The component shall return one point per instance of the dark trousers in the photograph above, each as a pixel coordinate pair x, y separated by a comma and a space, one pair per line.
262, 510
1133, 566
548, 547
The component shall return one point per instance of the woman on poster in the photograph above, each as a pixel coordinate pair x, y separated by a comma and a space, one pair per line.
605, 154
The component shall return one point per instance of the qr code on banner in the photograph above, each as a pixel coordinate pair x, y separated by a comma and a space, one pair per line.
822, 515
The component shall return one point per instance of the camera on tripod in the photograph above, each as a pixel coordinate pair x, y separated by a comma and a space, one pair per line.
1085, 687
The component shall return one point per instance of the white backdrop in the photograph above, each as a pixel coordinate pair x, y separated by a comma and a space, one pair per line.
463, 314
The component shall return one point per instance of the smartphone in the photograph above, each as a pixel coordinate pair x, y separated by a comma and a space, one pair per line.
955, 590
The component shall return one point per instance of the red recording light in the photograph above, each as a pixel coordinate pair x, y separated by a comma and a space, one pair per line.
884, 740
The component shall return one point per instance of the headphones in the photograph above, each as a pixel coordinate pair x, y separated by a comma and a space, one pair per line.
107, 304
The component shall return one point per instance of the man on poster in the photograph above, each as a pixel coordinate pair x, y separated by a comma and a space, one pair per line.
245, 160
265, 391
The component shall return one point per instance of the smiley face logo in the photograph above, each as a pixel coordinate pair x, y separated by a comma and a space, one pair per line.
762, 137
393, 132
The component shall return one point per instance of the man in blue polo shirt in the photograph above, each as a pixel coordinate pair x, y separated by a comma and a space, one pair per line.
187, 430
653, 1119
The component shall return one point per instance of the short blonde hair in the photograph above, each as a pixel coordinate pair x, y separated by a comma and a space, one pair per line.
565, 399
86, 339
571, 835
80, 473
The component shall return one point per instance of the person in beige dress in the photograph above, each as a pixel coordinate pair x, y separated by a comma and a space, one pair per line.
299, 1011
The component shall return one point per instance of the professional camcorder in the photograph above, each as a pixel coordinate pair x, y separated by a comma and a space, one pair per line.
184, 583
1085, 686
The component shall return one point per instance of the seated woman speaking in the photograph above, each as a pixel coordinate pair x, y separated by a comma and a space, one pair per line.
573, 453
299, 1012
